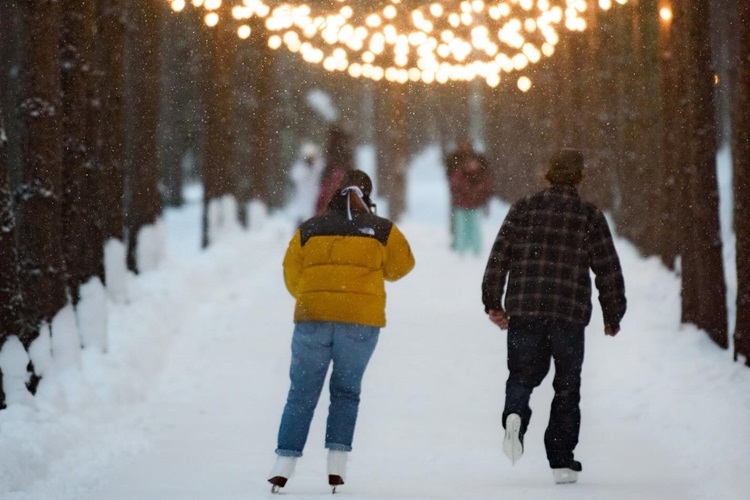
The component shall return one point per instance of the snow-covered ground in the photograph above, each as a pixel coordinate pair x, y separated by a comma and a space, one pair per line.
187, 400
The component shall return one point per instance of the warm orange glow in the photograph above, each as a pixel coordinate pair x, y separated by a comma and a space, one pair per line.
211, 19
431, 41
244, 31
666, 14
524, 84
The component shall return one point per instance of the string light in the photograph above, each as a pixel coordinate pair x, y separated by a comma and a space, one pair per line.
440, 41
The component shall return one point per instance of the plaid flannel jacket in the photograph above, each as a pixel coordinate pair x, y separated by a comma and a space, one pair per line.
546, 246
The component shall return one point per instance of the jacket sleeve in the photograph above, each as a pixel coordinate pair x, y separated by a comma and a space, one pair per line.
498, 265
293, 264
399, 259
606, 266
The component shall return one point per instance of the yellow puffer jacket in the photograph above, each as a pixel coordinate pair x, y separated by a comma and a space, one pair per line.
336, 267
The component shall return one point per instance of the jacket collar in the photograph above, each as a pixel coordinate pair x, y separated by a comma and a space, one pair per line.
563, 189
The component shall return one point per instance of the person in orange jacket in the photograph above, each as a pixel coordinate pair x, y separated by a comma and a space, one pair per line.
336, 267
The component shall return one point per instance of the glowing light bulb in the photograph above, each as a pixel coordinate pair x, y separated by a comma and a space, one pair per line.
244, 31
524, 84
211, 19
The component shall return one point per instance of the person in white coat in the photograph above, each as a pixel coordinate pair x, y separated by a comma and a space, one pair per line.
305, 175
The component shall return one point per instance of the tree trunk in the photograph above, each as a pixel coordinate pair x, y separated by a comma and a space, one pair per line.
143, 178
10, 296
111, 44
392, 149
741, 155
264, 81
667, 239
82, 245
40, 223
217, 178
595, 186
12, 90
712, 311
681, 158
177, 93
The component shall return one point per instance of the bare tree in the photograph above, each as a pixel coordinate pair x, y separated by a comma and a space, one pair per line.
703, 191
262, 116
217, 164
741, 155
392, 150
143, 49
39, 202
82, 243
111, 44
10, 297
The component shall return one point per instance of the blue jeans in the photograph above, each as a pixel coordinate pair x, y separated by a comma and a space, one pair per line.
468, 235
531, 345
314, 345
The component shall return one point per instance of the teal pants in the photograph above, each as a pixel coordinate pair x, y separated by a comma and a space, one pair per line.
468, 234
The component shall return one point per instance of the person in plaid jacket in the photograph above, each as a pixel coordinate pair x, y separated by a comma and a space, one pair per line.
546, 247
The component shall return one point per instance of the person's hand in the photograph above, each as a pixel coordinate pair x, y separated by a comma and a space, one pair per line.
611, 330
499, 317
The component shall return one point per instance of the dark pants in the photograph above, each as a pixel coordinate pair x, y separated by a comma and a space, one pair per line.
531, 344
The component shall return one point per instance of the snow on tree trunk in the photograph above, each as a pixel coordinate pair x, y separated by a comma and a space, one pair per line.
741, 156
222, 217
13, 362
92, 314
39, 202
115, 270
40, 351
150, 244
257, 214
145, 199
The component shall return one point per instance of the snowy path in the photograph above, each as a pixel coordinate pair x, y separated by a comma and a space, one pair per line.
429, 425
186, 404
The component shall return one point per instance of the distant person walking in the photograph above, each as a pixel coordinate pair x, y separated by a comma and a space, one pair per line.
339, 159
471, 188
453, 163
336, 267
305, 175
546, 247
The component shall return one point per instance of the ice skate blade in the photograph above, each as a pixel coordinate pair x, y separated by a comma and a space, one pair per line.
512, 446
277, 482
565, 476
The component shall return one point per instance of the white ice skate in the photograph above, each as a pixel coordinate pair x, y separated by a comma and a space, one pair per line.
568, 474
513, 442
282, 470
336, 468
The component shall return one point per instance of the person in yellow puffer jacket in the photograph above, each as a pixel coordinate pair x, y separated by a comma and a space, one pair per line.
336, 267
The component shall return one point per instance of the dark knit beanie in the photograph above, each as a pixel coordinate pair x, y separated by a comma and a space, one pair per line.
565, 167
357, 178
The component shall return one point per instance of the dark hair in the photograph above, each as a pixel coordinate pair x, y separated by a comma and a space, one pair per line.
565, 167
338, 153
356, 178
